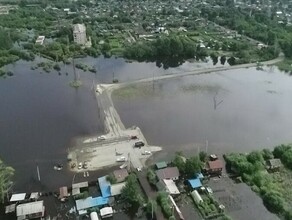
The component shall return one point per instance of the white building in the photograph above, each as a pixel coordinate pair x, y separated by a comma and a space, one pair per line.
79, 34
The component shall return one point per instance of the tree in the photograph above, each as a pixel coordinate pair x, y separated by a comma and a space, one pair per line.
151, 207
6, 174
179, 162
151, 177
255, 157
279, 151
273, 202
267, 154
193, 166
131, 193
203, 156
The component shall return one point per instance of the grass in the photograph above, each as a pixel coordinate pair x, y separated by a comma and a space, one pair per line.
134, 91
285, 65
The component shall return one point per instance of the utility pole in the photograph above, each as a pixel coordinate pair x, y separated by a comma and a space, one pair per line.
38, 173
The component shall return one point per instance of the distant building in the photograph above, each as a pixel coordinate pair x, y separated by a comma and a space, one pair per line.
274, 164
40, 40
214, 167
169, 173
79, 34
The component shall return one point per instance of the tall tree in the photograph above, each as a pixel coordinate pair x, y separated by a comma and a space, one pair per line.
6, 174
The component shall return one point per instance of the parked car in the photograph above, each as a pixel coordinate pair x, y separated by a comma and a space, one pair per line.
134, 137
80, 166
121, 159
102, 138
146, 152
139, 144
85, 165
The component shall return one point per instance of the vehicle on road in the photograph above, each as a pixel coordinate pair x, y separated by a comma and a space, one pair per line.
146, 152
139, 169
121, 159
80, 166
139, 144
85, 165
58, 167
102, 138
123, 166
134, 137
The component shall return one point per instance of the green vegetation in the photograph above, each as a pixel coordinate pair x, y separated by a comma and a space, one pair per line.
151, 176
151, 207
209, 208
165, 203
131, 194
188, 167
111, 178
285, 65
274, 188
6, 174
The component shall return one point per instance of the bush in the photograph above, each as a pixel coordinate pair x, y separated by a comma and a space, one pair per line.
273, 202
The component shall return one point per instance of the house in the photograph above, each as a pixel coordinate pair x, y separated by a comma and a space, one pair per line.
116, 189
195, 183
168, 173
120, 175
17, 197
274, 164
30, 210
79, 34
214, 167
171, 187
160, 165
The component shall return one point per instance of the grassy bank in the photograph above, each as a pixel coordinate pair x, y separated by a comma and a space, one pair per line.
285, 65
133, 91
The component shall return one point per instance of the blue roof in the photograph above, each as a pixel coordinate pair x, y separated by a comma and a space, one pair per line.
90, 202
104, 186
195, 183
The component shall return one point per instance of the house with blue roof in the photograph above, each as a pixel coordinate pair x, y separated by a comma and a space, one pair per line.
105, 187
195, 183
90, 202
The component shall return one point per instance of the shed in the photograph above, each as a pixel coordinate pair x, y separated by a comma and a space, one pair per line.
120, 175
106, 212
116, 189
34, 195
215, 167
90, 202
30, 210
196, 196
104, 186
171, 187
195, 183
161, 165
17, 197
168, 173
10, 208
80, 185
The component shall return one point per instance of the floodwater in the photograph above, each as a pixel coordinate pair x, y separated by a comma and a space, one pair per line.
230, 111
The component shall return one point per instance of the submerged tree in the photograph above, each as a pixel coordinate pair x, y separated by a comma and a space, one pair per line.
6, 174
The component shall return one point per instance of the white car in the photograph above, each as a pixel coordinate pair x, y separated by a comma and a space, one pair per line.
80, 165
102, 138
121, 159
146, 152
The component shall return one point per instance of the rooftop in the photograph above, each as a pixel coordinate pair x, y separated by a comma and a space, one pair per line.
171, 187
161, 165
168, 173
30, 208
216, 164
116, 189
90, 202
195, 183
79, 185
78, 28
104, 186
17, 197
120, 175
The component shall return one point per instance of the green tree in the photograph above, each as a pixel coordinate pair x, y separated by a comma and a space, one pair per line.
179, 162
131, 193
203, 156
151, 176
267, 154
273, 202
151, 207
193, 166
280, 150
6, 174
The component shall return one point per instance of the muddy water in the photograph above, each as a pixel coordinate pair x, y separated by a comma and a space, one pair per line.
251, 111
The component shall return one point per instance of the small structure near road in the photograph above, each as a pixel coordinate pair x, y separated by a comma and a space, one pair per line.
90, 202
169, 173
171, 187
160, 165
116, 189
195, 183
274, 164
30, 210
63, 193
106, 212
78, 187
18, 197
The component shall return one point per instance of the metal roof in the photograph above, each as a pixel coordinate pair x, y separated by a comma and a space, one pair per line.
106, 211
104, 186
90, 202
17, 197
116, 189
195, 183
80, 185
34, 195
161, 165
10, 208
30, 208
78, 28
168, 173
63, 192
171, 187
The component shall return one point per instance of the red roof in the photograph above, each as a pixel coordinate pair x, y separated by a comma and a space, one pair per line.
167, 173
216, 164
